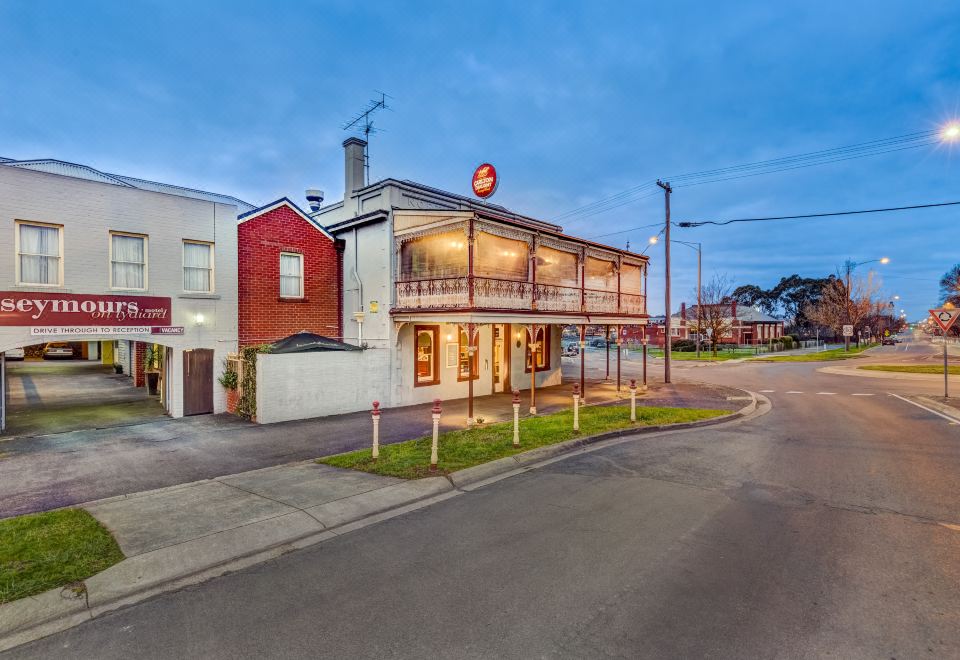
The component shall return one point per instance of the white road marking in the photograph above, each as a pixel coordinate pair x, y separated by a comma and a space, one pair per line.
955, 528
767, 391
860, 394
930, 410
794, 392
827, 393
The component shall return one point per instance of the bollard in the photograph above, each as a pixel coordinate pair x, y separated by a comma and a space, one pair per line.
436, 432
375, 415
576, 407
516, 418
633, 400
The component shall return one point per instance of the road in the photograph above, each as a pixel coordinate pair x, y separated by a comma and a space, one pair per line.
829, 527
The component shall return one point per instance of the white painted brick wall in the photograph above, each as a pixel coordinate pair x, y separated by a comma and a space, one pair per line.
305, 385
88, 211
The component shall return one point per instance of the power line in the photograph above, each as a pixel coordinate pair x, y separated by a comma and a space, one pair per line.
700, 223
624, 231
770, 166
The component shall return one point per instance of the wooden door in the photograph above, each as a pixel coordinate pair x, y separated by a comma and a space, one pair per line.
198, 381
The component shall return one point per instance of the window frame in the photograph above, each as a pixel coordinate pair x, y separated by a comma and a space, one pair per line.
280, 275
16, 241
434, 330
544, 350
213, 264
475, 363
146, 260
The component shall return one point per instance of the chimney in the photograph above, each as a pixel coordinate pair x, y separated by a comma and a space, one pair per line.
733, 309
683, 314
314, 199
353, 155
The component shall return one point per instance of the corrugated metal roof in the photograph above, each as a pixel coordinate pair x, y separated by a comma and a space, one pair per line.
63, 168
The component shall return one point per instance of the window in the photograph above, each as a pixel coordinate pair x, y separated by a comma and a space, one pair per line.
198, 267
468, 369
39, 254
599, 274
128, 261
427, 355
501, 258
439, 255
543, 350
291, 275
557, 267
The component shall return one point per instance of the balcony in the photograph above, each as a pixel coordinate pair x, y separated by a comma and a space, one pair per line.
450, 293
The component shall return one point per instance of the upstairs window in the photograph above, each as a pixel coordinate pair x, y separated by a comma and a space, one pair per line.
128, 261
291, 275
197, 267
600, 274
501, 258
39, 254
436, 256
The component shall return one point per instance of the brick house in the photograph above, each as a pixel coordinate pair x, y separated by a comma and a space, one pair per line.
290, 275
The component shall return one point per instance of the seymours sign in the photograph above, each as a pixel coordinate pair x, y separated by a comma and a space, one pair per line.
28, 308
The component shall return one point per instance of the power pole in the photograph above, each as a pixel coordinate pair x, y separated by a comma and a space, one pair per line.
846, 339
667, 344
699, 300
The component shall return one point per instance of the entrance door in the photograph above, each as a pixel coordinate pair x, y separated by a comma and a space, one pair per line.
198, 381
498, 362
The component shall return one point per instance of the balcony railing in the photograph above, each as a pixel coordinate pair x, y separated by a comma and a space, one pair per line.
491, 293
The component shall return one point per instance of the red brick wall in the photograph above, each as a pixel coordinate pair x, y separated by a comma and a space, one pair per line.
139, 359
263, 315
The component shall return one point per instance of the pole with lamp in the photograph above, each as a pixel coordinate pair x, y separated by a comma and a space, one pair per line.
666, 290
699, 248
850, 265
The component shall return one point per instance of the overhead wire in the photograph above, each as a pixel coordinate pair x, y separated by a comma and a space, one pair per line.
700, 223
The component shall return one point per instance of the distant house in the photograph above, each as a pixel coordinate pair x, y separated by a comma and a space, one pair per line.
748, 325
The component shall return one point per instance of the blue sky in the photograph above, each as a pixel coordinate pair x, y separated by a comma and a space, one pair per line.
572, 102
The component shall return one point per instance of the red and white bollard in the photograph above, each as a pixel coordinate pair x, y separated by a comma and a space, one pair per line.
633, 400
375, 415
436, 432
576, 407
516, 418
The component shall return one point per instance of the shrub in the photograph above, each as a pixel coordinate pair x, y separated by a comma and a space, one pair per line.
683, 345
229, 379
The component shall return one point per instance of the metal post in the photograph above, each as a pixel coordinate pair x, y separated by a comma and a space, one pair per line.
946, 369
607, 344
666, 296
576, 408
644, 360
846, 339
619, 352
583, 357
533, 371
375, 415
516, 418
436, 433
471, 352
699, 301
633, 400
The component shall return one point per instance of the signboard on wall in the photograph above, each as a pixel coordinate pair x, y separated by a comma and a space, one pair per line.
41, 309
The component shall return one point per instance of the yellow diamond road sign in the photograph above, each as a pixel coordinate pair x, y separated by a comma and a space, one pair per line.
945, 317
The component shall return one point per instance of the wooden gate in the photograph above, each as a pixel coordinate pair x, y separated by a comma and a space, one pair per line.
198, 381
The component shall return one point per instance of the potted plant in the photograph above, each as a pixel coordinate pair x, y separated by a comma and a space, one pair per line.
117, 368
152, 365
230, 380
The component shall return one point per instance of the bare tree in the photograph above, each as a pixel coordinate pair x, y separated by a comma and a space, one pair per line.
714, 315
837, 307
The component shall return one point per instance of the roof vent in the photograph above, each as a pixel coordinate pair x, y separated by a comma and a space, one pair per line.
314, 199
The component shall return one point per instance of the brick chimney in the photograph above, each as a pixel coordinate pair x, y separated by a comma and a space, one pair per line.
353, 162
733, 309
683, 314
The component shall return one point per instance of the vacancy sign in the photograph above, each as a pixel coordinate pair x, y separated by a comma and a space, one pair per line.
945, 317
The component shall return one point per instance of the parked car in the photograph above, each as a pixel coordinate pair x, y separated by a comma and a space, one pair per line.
598, 342
570, 349
14, 354
57, 350
888, 341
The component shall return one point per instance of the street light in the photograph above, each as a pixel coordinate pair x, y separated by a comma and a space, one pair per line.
850, 265
698, 247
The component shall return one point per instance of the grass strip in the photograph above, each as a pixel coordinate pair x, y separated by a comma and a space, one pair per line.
462, 449
41, 551
823, 356
912, 368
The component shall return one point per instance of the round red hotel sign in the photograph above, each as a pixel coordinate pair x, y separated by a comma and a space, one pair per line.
485, 181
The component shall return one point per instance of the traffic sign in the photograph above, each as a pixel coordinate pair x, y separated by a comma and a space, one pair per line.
945, 317
848, 331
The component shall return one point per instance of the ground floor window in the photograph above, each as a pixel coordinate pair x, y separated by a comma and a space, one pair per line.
467, 368
427, 355
542, 357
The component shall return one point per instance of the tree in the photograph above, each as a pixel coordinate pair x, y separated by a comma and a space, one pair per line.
950, 286
788, 299
838, 307
714, 313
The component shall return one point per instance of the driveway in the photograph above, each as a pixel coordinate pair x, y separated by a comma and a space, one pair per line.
60, 396
46, 472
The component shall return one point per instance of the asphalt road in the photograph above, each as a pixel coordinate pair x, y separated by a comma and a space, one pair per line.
828, 528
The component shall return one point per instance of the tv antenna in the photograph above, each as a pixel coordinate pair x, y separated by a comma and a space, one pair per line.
363, 124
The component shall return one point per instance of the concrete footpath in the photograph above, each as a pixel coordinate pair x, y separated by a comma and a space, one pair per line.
185, 534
